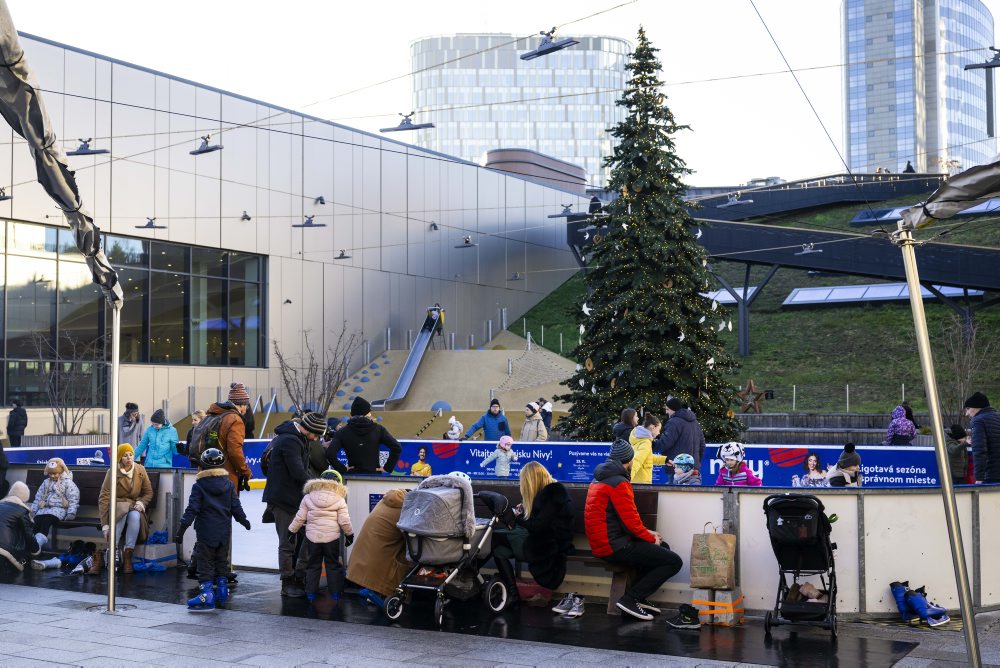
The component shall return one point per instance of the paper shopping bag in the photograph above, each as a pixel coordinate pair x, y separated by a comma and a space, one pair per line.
713, 560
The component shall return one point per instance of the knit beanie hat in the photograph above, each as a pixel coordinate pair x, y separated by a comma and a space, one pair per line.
533, 407
957, 432
56, 464
123, 448
848, 457
977, 400
158, 417
674, 404
314, 423
20, 490
360, 406
238, 394
622, 451
494, 402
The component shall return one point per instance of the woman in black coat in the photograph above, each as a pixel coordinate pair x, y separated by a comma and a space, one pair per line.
543, 536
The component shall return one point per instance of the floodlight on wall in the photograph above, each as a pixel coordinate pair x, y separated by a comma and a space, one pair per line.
309, 223
84, 149
809, 248
733, 200
548, 45
406, 124
566, 212
467, 243
434, 226
319, 200
342, 255
151, 225
4, 196
245, 217
205, 146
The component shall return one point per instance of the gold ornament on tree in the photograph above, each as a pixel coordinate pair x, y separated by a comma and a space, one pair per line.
588, 364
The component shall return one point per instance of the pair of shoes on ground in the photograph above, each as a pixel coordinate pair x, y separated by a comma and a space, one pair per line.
687, 617
570, 606
914, 607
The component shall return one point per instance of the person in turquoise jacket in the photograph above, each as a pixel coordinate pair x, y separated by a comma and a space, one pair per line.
159, 443
493, 423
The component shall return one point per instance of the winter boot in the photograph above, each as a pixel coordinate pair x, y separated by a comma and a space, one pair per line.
205, 600
311, 596
127, 560
221, 590
933, 609
933, 616
899, 590
372, 597
98, 565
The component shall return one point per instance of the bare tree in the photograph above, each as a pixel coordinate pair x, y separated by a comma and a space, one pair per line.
315, 379
966, 350
74, 381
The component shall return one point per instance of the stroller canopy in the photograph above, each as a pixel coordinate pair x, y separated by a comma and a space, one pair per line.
441, 506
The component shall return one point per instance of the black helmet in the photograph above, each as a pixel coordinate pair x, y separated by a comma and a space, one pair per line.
332, 474
212, 458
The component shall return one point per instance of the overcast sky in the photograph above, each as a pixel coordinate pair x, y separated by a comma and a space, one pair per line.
297, 53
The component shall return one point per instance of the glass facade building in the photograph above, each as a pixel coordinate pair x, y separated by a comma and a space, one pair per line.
229, 277
907, 96
481, 96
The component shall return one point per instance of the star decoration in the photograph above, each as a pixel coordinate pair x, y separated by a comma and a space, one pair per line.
750, 398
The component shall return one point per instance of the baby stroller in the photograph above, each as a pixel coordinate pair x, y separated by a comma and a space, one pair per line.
448, 544
800, 535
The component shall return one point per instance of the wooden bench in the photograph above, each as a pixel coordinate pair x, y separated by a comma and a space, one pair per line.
646, 502
89, 480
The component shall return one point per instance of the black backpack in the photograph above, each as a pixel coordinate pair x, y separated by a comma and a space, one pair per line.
205, 435
265, 457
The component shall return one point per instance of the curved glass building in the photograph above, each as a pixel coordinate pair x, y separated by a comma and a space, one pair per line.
481, 96
907, 96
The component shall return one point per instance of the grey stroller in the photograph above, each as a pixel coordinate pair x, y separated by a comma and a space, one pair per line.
448, 544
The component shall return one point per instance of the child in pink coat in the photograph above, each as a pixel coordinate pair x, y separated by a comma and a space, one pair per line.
323, 511
735, 472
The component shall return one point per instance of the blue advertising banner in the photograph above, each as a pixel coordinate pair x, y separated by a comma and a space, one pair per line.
776, 465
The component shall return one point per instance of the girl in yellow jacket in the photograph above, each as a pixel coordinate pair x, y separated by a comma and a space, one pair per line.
642, 442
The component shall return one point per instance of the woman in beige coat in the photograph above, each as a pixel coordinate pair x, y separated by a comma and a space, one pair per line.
378, 561
534, 426
134, 494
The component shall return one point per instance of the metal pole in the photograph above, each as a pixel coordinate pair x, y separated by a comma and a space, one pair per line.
793, 398
116, 333
368, 353
904, 239
489, 330
529, 340
902, 392
524, 327
847, 394
503, 318
510, 367
472, 341
451, 337
560, 343
543, 335
191, 406
388, 338
409, 339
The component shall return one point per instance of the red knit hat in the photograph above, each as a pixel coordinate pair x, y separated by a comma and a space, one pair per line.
238, 394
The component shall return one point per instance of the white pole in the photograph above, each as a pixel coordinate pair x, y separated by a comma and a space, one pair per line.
902, 392
543, 335
904, 239
116, 332
847, 394
793, 398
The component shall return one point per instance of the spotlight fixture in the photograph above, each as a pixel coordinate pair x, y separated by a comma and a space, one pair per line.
406, 124
288, 301
205, 146
309, 223
151, 225
809, 248
434, 226
319, 200
84, 149
989, 64
245, 217
566, 212
466, 243
4, 196
547, 45
342, 255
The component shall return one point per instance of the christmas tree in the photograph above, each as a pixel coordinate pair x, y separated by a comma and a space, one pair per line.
647, 333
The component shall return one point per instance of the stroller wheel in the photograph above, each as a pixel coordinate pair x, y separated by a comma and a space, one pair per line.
767, 625
439, 611
833, 626
393, 607
495, 595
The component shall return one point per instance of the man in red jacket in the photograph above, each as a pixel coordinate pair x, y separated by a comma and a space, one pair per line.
617, 535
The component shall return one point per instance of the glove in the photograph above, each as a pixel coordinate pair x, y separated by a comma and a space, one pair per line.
70, 517
244, 483
349, 540
179, 536
246, 524
291, 537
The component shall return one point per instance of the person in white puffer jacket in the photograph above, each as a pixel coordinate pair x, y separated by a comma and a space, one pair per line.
323, 512
455, 429
57, 498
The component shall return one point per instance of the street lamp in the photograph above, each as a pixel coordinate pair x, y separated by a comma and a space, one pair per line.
989, 65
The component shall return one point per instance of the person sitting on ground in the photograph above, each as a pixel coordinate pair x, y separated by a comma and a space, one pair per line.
57, 499
958, 454
134, 494
735, 472
493, 423
847, 472
455, 429
617, 535
642, 443
421, 467
542, 536
533, 428
212, 506
378, 560
681, 434
18, 541
360, 440
623, 428
160, 440
900, 431
503, 455
686, 470
323, 512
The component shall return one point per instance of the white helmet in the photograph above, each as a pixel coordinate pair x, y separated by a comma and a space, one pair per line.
462, 475
451, 420
731, 450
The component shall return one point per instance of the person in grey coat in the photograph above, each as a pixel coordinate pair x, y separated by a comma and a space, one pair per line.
681, 435
131, 425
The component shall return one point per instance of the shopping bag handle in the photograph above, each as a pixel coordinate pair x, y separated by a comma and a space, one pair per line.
715, 529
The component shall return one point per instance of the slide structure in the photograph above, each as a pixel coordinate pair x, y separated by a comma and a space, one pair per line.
413, 360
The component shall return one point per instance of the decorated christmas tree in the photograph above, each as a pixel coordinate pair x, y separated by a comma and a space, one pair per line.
647, 332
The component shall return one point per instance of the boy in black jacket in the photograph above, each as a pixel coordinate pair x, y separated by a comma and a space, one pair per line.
212, 506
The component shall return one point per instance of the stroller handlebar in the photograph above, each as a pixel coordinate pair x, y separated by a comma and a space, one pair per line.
497, 503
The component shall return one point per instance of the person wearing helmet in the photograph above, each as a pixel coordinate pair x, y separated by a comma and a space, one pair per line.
686, 470
735, 472
211, 508
323, 512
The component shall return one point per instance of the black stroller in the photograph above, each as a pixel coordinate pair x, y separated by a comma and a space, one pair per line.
448, 544
800, 535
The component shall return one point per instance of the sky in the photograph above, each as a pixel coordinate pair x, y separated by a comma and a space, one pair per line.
724, 75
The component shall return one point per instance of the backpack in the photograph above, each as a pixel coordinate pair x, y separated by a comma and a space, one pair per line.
265, 457
205, 435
